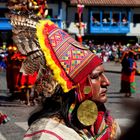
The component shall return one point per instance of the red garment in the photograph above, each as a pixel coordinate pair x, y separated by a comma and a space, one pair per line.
27, 81
79, 39
131, 77
105, 126
17, 59
128, 84
12, 71
3, 118
18, 56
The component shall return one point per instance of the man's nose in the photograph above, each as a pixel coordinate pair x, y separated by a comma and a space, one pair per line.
105, 80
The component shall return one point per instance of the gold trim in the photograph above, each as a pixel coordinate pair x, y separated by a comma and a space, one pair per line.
87, 113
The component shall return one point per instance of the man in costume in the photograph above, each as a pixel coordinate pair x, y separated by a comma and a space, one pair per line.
70, 78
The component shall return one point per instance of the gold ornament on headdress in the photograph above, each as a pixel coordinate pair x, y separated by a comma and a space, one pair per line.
87, 113
87, 89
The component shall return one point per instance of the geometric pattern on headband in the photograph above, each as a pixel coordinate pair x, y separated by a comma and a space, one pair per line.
70, 53
69, 60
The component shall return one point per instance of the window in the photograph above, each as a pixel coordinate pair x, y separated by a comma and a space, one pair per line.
124, 19
96, 19
136, 18
106, 19
96, 16
3, 11
116, 17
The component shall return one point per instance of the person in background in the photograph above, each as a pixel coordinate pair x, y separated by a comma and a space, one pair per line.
26, 85
124, 65
124, 21
17, 59
2, 63
104, 20
129, 66
12, 68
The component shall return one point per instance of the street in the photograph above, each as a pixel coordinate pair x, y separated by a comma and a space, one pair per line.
18, 113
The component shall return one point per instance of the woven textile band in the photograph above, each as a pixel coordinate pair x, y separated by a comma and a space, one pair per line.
68, 59
51, 60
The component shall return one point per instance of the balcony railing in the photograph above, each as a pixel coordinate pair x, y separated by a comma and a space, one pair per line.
117, 27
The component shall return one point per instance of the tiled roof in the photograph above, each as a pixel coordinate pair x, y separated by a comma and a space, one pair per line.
130, 3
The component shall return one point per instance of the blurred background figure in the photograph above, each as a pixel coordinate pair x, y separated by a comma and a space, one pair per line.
2, 62
20, 85
26, 86
12, 68
124, 64
3, 118
129, 66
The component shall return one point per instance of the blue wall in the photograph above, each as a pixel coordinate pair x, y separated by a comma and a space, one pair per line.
5, 24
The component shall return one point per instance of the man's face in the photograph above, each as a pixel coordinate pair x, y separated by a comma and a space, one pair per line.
99, 83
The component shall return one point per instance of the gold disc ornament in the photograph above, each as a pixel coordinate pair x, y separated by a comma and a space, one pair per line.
87, 113
87, 89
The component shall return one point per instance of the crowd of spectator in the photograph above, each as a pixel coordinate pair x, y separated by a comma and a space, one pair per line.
113, 51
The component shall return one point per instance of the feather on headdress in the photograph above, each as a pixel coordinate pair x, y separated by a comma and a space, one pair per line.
57, 57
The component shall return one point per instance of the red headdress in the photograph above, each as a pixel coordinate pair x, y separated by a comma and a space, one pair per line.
51, 51
68, 59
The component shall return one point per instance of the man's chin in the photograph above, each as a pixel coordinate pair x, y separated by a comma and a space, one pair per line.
103, 99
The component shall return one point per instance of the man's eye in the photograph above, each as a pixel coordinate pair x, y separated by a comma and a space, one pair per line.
94, 76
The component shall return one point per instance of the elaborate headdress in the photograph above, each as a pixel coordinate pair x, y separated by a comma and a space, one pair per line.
58, 58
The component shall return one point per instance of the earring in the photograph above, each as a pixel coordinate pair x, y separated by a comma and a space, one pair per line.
87, 113
87, 89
